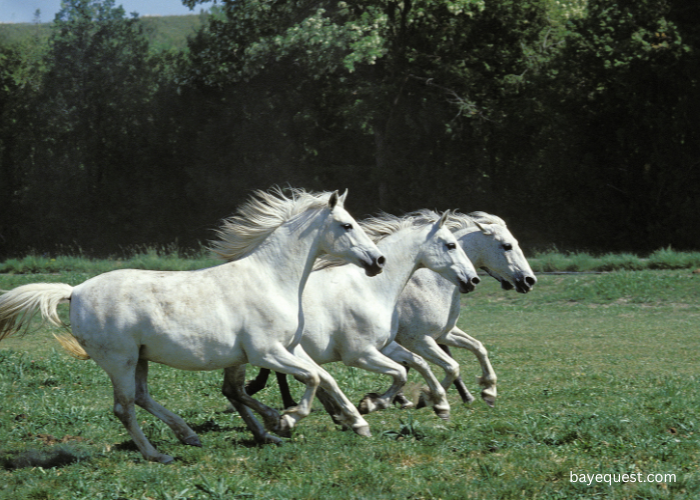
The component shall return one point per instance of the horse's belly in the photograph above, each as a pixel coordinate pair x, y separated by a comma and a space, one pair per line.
193, 352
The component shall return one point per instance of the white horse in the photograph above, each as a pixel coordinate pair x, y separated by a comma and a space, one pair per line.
429, 305
352, 319
247, 310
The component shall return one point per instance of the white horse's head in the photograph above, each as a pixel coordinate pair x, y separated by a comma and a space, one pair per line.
443, 254
344, 238
494, 249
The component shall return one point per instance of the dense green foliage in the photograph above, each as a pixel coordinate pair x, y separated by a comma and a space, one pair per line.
573, 120
597, 374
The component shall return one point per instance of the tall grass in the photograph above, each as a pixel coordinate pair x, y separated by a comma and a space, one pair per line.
171, 259
665, 258
163, 259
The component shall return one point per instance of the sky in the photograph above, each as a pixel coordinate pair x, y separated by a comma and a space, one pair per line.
22, 11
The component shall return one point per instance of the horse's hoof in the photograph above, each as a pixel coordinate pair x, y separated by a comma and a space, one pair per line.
469, 399
444, 414
368, 405
421, 402
284, 428
363, 430
164, 459
192, 441
271, 421
403, 402
489, 400
270, 439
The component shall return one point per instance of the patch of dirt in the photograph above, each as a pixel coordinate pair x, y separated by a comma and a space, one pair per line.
50, 440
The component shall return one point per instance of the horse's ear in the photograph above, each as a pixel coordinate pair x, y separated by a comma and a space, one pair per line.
333, 200
444, 217
343, 196
483, 228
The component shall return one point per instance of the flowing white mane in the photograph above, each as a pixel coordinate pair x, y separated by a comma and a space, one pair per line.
384, 224
458, 220
257, 218
381, 226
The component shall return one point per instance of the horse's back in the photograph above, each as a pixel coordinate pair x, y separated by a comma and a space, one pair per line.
175, 318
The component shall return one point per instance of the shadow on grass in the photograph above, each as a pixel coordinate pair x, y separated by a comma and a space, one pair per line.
46, 459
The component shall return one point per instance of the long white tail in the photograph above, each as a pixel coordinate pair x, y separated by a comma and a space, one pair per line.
18, 306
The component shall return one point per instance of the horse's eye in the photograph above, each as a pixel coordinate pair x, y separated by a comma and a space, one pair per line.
507, 247
451, 246
347, 226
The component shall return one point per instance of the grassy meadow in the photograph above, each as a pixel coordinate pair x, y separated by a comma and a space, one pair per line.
598, 374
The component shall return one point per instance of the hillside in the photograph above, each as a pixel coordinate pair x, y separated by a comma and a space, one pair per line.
163, 32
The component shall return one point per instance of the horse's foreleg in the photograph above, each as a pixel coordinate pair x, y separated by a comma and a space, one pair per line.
282, 361
374, 361
437, 396
183, 431
279, 359
233, 389
426, 347
334, 400
458, 382
488, 379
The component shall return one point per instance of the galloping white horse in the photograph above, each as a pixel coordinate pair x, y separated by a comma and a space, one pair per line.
352, 319
247, 310
429, 305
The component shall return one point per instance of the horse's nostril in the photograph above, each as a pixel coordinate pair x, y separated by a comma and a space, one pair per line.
381, 260
530, 280
476, 280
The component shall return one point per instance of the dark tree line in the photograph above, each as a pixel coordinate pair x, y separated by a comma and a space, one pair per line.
577, 125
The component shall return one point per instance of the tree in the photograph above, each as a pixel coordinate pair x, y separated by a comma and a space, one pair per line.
627, 89
407, 83
92, 120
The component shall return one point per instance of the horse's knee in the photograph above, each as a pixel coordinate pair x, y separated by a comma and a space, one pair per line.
121, 411
452, 370
400, 376
309, 378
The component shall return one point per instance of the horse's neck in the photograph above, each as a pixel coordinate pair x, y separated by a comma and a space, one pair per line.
288, 254
401, 250
469, 239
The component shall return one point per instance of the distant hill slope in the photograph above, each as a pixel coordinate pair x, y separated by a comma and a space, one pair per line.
167, 32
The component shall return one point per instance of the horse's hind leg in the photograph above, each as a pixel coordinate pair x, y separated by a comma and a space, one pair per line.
258, 383
287, 399
183, 432
123, 375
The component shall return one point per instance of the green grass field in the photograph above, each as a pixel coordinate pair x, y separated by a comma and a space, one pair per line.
598, 374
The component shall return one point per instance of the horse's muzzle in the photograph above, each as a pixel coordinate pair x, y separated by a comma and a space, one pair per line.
375, 267
468, 286
525, 284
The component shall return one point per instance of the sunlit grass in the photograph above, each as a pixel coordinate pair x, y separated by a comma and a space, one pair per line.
597, 374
